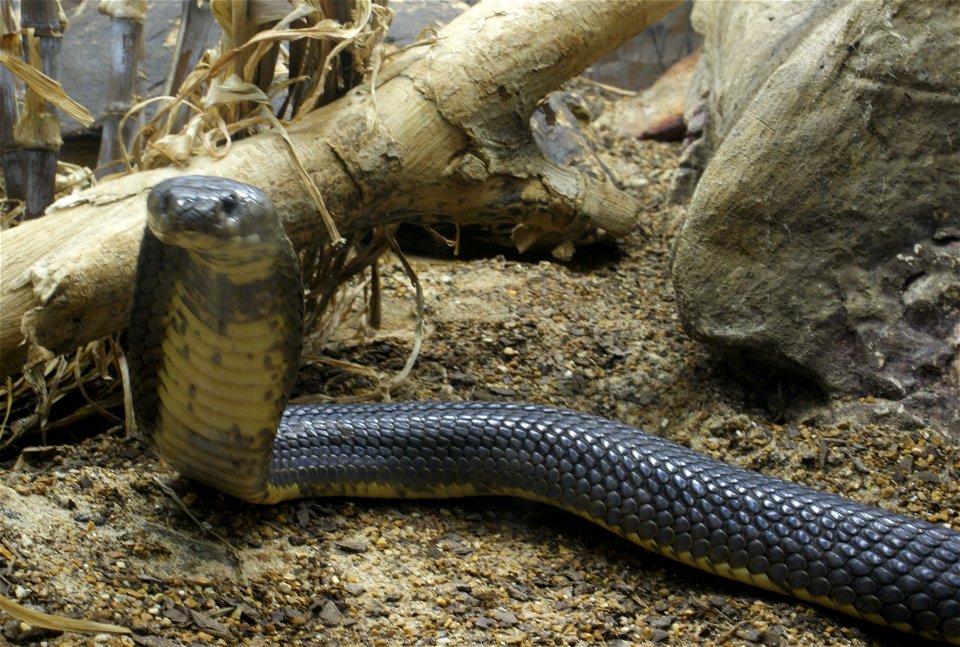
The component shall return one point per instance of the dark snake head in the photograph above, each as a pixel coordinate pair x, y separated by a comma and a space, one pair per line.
208, 214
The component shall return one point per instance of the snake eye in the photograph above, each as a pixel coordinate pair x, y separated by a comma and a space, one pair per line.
229, 203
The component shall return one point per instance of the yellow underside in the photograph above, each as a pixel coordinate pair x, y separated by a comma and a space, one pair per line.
220, 403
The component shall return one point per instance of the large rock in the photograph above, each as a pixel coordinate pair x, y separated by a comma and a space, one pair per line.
824, 234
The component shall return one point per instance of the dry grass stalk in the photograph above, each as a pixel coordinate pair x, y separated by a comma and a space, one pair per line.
36, 618
126, 48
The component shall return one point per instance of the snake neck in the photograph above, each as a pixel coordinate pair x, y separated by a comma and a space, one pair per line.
230, 335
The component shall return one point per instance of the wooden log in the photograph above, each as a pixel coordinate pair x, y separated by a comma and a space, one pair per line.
447, 138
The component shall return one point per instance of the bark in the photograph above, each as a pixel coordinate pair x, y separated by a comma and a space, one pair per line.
448, 141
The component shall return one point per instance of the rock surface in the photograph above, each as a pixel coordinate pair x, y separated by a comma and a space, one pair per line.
824, 234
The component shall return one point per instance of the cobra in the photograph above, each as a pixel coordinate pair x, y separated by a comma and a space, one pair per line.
213, 348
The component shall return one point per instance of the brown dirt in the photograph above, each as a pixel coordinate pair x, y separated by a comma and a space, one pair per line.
89, 530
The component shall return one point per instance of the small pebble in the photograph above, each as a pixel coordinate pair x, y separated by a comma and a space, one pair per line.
330, 615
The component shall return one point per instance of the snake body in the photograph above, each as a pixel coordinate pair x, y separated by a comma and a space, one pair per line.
213, 348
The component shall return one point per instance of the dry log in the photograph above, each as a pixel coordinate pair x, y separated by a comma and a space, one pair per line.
446, 138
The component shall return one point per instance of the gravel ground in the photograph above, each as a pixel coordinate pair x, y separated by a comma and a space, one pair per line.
92, 528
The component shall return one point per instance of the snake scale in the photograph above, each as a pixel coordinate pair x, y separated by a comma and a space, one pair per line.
213, 348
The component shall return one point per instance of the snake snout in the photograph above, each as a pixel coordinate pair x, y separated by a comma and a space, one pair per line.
201, 213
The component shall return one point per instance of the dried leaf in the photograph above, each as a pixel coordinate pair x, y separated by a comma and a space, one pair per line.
177, 147
233, 90
47, 88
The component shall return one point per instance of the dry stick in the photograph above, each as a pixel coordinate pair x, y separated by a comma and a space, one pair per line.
375, 309
418, 330
196, 21
450, 142
126, 45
